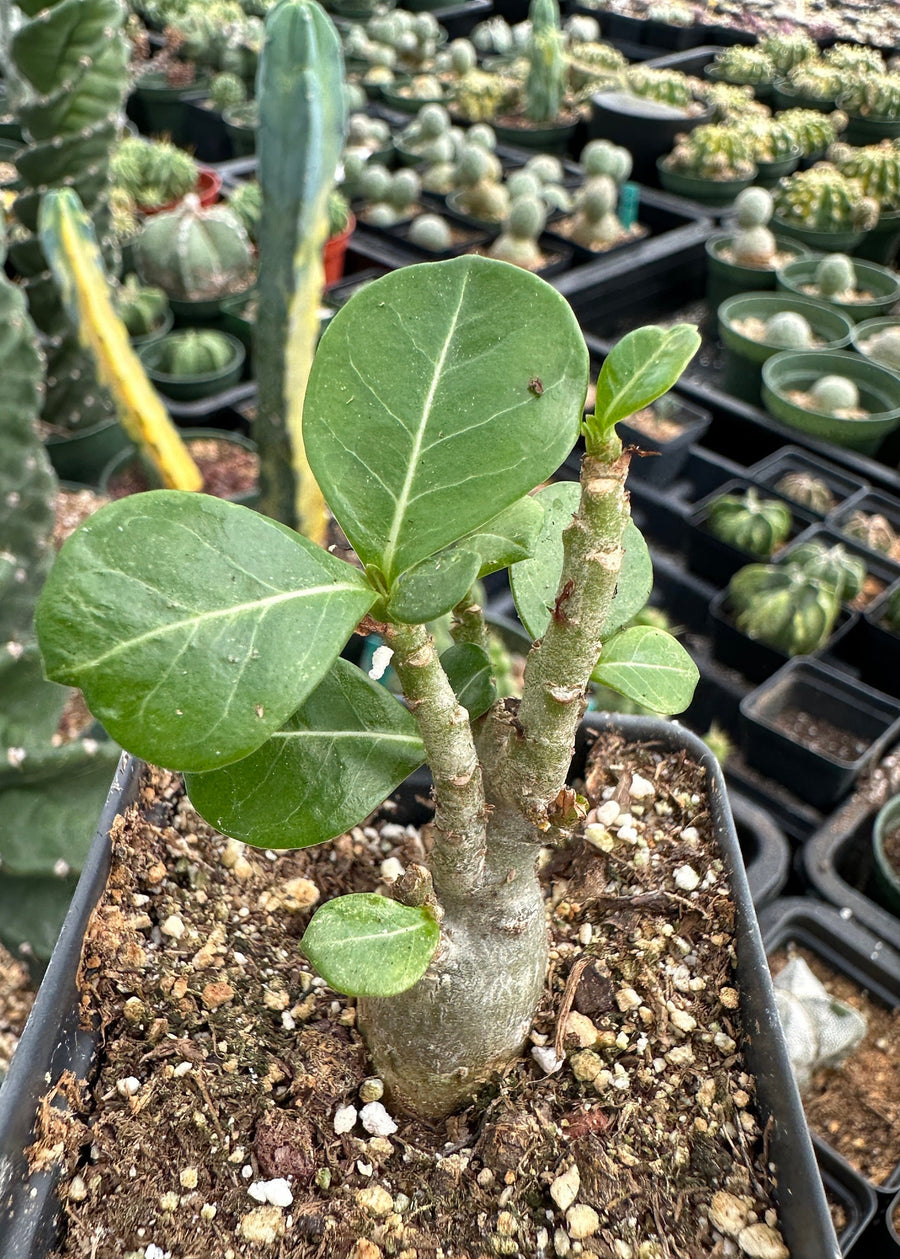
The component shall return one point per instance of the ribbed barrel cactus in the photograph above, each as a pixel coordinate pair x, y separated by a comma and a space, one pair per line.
783, 606
874, 96
824, 200
193, 352
666, 87
712, 151
770, 140
788, 49
815, 81
891, 614
812, 130
873, 530
806, 490
141, 308
546, 83
875, 167
753, 524
740, 64
195, 254
856, 58
834, 565
479, 190
66, 73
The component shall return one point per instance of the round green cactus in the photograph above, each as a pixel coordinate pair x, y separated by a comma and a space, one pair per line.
770, 140
855, 58
431, 232
833, 394
743, 65
463, 56
523, 183
195, 254
787, 50
227, 90
876, 96
546, 168
750, 523
479, 190
789, 331
754, 247
884, 347
807, 491
601, 157
596, 225
482, 135
834, 565
835, 275
816, 81
753, 207
518, 242
822, 199
141, 309
193, 352
582, 29
875, 167
792, 611
873, 530
666, 87
375, 183
712, 151
813, 131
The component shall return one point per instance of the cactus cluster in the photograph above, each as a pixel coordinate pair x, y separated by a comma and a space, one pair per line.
429, 136
518, 241
595, 224
546, 83
806, 490
481, 97
367, 135
195, 254
226, 91
812, 130
602, 157
392, 198
712, 151
753, 524
876, 96
822, 199
783, 606
753, 244
666, 87
815, 80
743, 65
769, 139
788, 49
66, 73
152, 173
141, 308
192, 352
875, 167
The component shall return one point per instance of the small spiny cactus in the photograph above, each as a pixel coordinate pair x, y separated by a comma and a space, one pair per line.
743, 65
227, 90
835, 275
153, 172
789, 331
666, 87
749, 522
712, 151
601, 157
816, 81
518, 242
246, 202
142, 309
596, 225
822, 199
753, 245
192, 352
883, 347
812, 130
787, 50
783, 606
875, 167
833, 394
480, 193
431, 232
195, 254
877, 96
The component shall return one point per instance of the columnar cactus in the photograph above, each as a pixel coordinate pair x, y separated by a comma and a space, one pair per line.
66, 71
822, 199
195, 254
812, 130
875, 167
546, 83
152, 172
749, 522
740, 64
753, 245
712, 151
807, 491
303, 122
394, 198
518, 242
783, 606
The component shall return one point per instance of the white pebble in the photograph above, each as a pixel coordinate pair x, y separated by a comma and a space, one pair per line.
640, 788
345, 1119
173, 926
608, 812
376, 1120
545, 1057
392, 870
687, 878
277, 1192
129, 1086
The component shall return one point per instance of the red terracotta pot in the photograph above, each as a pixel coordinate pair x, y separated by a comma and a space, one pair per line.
335, 251
207, 188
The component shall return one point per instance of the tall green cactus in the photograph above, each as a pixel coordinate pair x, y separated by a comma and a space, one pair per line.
545, 87
50, 794
302, 125
66, 68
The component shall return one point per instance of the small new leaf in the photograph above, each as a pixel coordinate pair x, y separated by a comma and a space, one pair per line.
649, 666
640, 368
468, 668
365, 945
434, 587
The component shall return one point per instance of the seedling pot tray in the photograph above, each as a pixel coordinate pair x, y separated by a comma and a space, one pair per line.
53, 1043
767, 855
845, 1186
769, 471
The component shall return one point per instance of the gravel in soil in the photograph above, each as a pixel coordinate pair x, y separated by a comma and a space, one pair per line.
802, 398
16, 997
856, 1107
820, 735
234, 1112
227, 470
71, 509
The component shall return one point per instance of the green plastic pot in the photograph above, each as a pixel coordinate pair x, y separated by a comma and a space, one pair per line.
823, 242
156, 334
769, 173
129, 455
881, 244
869, 328
887, 877
784, 97
550, 139
726, 279
870, 130
707, 191
880, 281
744, 358
82, 455
879, 391
192, 388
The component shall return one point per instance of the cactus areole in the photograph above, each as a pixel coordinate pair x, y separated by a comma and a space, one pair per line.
440, 397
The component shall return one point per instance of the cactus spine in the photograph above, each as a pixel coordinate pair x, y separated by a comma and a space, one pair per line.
302, 124
66, 68
546, 82
68, 241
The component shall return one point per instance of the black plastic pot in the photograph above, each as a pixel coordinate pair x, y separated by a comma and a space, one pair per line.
879, 652
849, 949
130, 456
659, 462
757, 660
846, 1188
52, 1042
716, 560
160, 110
823, 694
208, 136
766, 852
769, 471
872, 502
646, 129
82, 455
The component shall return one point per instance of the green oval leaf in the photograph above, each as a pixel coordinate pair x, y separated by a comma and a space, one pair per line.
535, 581
368, 946
468, 668
439, 395
640, 368
194, 627
433, 587
509, 538
335, 760
634, 583
649, 666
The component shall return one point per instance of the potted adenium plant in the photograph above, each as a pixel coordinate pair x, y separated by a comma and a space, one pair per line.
439, 398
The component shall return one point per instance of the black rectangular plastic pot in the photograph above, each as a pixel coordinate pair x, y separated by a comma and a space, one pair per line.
850, 949
879, 646
208, 138
838, 864
823, 694
51, 1042
716, 560
845, 1187
877, 567
840, 481
459, 19
872, 502
664, 459
766, 852
754, 659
